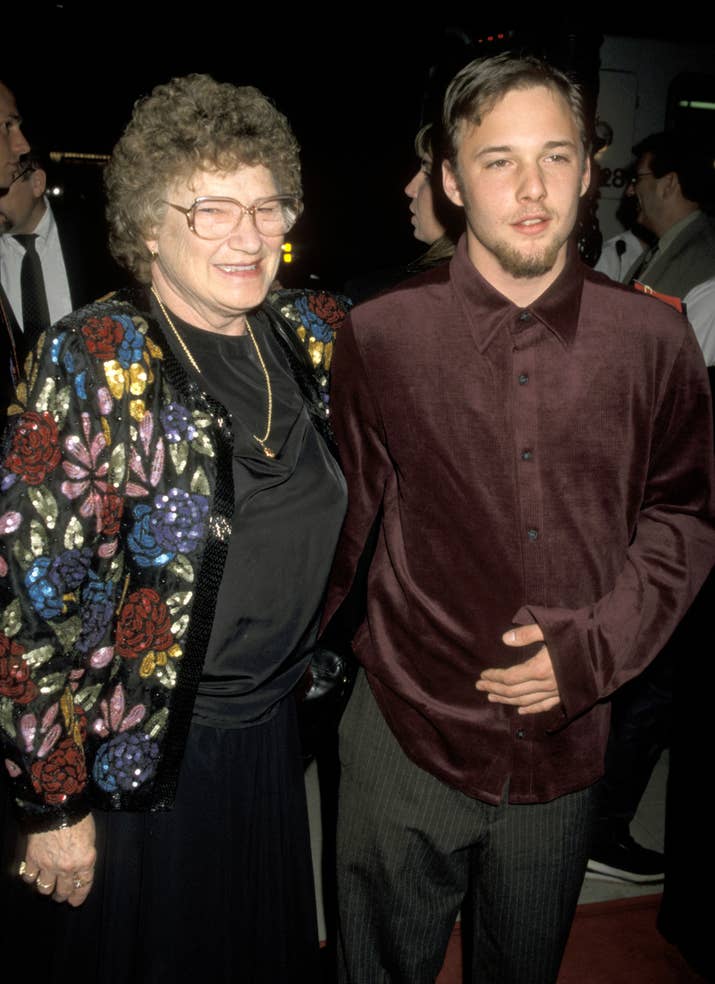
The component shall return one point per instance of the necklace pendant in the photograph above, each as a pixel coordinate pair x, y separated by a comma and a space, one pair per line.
269, 452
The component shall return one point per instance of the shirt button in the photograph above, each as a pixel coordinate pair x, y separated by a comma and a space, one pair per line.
532, 534
525, 316
527, 455
521, 733
523, 379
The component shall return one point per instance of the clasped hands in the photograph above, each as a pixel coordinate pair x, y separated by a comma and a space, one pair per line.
530, 686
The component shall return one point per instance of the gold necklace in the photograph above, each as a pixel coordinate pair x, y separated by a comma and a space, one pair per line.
269, 452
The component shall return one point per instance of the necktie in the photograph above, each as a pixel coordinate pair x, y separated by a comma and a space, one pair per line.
35, 312
645, 262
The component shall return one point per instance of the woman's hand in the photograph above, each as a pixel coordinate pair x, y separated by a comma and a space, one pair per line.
60, 863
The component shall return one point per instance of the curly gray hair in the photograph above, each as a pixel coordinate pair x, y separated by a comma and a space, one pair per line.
189, 124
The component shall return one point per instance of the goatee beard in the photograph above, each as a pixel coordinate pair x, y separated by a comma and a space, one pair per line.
518, 265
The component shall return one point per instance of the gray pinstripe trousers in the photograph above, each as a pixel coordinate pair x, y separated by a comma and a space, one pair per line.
412, 851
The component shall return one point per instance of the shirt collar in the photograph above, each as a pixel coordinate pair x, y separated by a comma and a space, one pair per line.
43, 230
487, 310
46, 225
667, 238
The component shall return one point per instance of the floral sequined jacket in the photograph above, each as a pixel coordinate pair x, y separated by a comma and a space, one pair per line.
116, 501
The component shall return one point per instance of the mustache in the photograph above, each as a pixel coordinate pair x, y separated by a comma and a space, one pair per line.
534, 214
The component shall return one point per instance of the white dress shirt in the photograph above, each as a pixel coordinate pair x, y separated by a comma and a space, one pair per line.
700, 308
614, 265
48, 247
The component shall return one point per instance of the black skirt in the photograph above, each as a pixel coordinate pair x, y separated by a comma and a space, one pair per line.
220, 888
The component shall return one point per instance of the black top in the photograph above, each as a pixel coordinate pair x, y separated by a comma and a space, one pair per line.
287, 515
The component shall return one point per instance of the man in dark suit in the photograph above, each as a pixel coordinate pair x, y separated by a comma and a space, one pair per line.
68, 255
673, 181
12, 140
12, 146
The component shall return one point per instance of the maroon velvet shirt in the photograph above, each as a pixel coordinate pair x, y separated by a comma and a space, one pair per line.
550, 464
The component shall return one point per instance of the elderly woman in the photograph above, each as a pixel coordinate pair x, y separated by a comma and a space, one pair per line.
168, 515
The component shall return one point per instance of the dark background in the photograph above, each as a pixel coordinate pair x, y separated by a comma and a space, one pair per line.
355, 91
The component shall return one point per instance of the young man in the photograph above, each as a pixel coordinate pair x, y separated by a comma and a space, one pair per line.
534, 445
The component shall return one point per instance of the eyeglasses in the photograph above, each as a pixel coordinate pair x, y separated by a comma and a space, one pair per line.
640, 174
216, 218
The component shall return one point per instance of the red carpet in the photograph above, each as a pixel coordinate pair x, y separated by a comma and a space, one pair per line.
610, 943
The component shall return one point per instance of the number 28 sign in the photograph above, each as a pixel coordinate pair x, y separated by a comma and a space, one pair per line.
614, 177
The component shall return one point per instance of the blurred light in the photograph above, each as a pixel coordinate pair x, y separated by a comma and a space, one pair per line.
72, 155
695, 104
491, 38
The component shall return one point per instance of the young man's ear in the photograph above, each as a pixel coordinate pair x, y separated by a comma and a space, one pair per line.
586, 177
451, 184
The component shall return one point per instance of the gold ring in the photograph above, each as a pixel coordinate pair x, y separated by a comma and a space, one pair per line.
22, 868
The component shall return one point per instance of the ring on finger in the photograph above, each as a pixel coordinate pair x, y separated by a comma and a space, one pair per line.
24, 873
77, 882
43, 887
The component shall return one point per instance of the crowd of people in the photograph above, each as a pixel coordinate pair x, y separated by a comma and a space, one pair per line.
499, 464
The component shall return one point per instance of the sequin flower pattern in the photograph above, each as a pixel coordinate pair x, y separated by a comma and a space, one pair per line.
179, 520
125, 762
15, 681
61, 774
34, 452
86, 467
144, 624
321, 314
175, 524
178, 424
108, 479
126, 355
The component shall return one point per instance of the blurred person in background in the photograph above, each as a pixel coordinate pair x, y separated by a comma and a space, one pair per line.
431, 211
435, 222
673, 183
12, 146
53, 258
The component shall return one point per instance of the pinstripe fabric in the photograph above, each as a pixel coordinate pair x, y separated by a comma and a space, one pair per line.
412, 851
